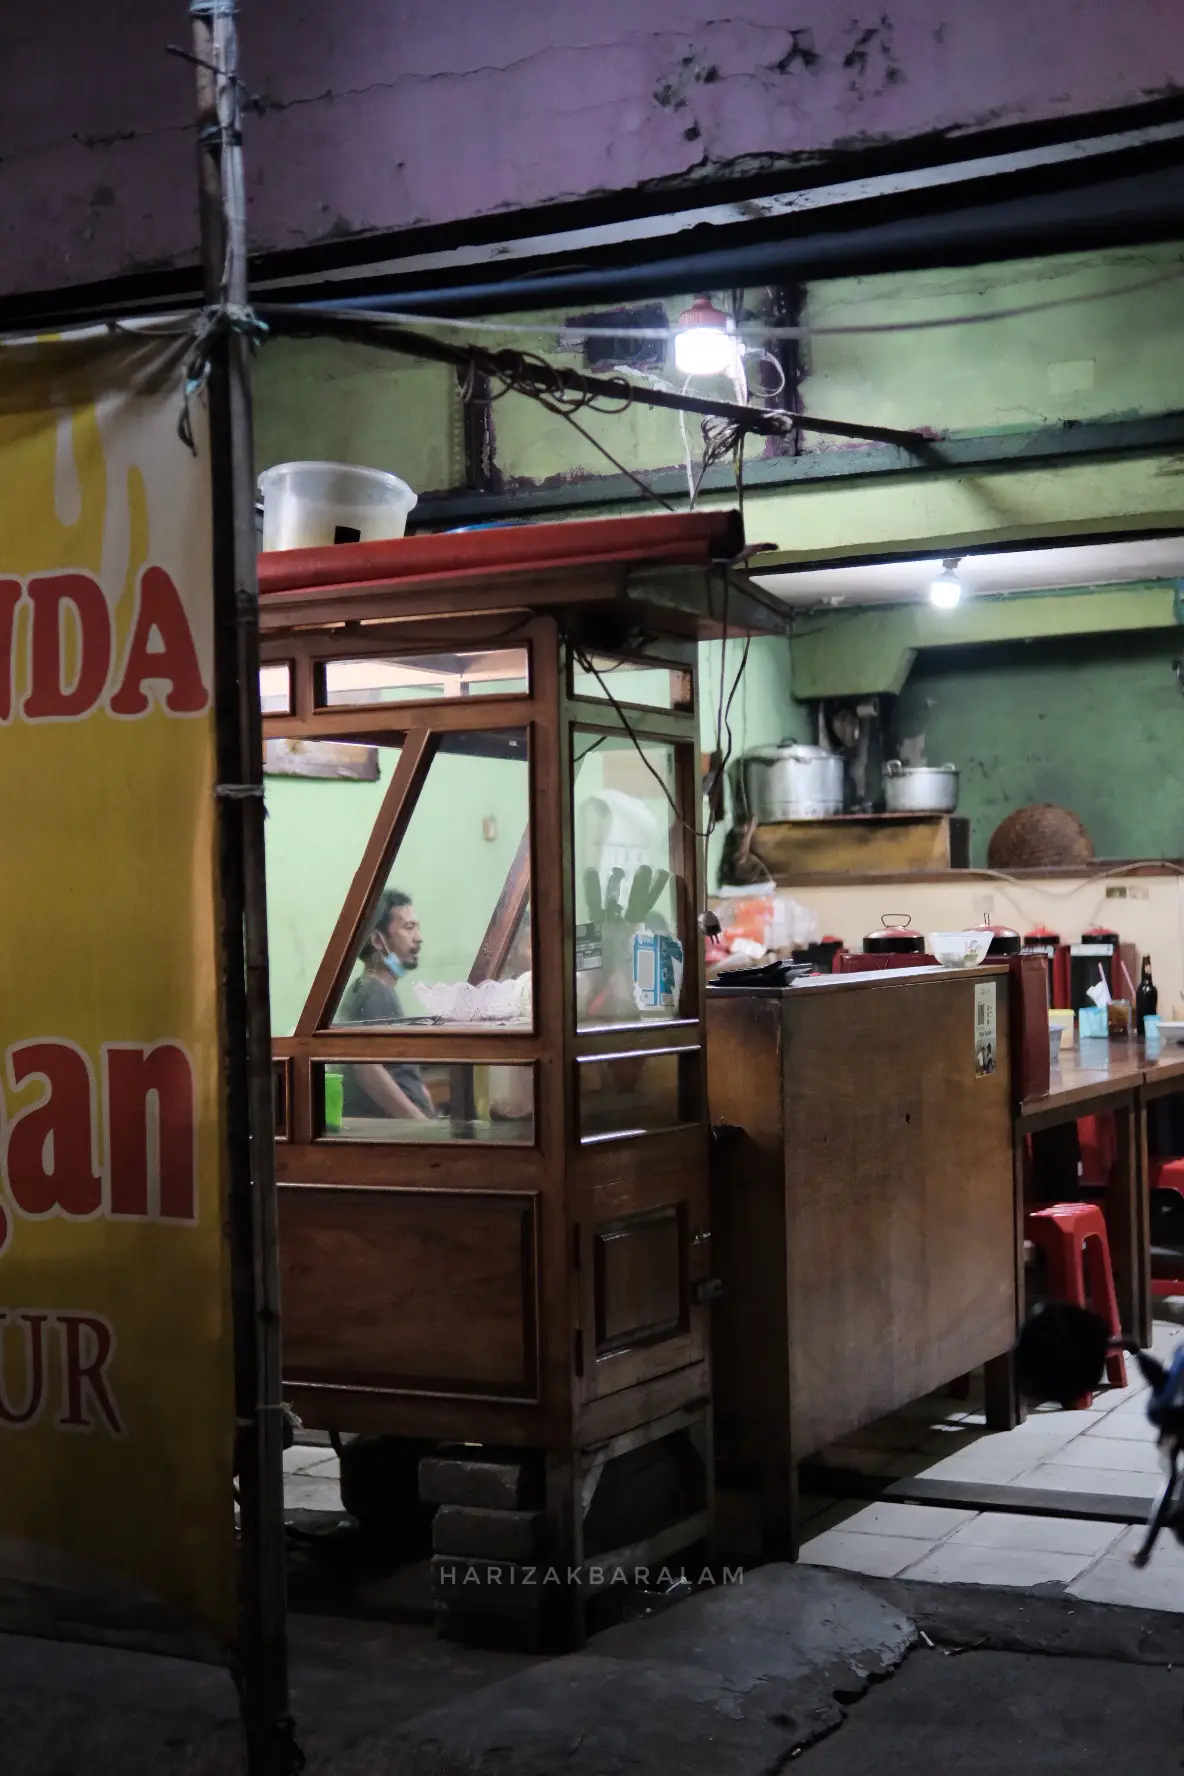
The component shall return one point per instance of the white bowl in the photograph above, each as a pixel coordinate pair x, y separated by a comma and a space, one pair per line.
960, 949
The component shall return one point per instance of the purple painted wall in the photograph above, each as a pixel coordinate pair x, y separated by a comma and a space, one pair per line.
382, 114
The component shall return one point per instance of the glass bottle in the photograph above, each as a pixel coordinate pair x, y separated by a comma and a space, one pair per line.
1146, 996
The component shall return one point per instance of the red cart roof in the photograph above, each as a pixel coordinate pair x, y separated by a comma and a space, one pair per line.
681, 539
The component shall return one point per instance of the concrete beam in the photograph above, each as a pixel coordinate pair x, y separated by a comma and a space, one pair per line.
870, 652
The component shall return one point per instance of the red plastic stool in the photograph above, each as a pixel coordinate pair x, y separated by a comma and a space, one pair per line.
1072, 1237
1167, 1174
1097, 1140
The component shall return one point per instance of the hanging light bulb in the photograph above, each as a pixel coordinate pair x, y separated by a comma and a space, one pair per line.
946, 590
704, 344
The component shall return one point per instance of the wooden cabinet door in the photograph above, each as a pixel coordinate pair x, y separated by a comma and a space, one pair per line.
642, 1247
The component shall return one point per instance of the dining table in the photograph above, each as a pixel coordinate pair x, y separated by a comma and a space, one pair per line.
1094, 1077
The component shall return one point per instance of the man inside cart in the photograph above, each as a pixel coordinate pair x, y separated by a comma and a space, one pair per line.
391, 950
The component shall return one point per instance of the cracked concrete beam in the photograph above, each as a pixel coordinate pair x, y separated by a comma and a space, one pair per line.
388, 117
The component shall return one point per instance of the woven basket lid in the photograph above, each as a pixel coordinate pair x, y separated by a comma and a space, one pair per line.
1040, 836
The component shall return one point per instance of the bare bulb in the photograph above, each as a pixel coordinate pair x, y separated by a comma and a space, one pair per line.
704, 351
946, 590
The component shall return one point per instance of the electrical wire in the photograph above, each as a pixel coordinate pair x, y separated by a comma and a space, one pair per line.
922, 325
723, 750
585, 661
617, 464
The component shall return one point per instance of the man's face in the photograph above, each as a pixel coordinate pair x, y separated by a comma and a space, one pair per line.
403, 937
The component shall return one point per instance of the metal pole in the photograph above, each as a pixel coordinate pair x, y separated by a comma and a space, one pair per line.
262, 1653
528, 374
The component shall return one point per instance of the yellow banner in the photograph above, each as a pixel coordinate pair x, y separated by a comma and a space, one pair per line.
116, 1389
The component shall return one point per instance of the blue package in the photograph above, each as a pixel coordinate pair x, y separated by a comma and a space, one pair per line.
657, 971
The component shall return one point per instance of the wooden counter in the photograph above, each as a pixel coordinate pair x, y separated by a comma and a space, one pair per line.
864, 1217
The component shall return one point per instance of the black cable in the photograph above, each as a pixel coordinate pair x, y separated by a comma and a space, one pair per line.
605, 452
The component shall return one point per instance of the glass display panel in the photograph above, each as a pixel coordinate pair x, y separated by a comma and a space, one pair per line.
643, 683
637, 1094
424, 1101
498, 672
628, 892
447, 942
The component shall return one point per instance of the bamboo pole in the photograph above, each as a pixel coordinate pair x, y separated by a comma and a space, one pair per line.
262, 1654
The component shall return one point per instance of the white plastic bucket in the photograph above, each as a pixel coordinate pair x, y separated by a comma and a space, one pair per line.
308, 505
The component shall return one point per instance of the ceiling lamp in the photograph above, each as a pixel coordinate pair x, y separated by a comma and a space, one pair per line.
946, 590
705, 344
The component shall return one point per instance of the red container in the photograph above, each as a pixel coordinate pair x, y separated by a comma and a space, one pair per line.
893, 938
1048, 943
1028, 1023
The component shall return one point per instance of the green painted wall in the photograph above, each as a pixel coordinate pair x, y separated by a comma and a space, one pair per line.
763, 709
1088, 359
317, 831
869, 651
1093, 723
321, 400
1095, 359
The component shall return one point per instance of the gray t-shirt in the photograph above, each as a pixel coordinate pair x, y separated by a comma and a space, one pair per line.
372, 1000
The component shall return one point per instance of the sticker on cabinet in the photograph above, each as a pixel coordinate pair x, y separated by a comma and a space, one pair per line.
984, 1028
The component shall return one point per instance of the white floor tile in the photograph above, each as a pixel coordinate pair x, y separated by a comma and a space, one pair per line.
1099, 1450
995, 1464
1042, 1535
305, 1492
952, 1440
321, 1462
1160, 1585
1114, 1399
879, 1556
924, 1523
836, 1516
1128, 1422
1046, 1418
1057, 1477
960, 1563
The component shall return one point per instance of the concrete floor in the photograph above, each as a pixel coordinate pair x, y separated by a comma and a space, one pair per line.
728, 1683
844, 1677
1007, 1714
1001, 1644
1109, 1450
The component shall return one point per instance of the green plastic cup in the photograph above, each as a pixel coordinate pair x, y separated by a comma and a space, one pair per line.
334, 1099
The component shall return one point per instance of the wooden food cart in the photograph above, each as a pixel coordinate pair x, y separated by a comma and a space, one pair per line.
864, 1215
522, 1268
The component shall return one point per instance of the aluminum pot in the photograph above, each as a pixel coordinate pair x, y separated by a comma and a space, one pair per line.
792, 782
920, 789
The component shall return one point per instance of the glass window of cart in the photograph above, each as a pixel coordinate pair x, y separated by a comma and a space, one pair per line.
628, 844
425, 1101
322, 798
446, 942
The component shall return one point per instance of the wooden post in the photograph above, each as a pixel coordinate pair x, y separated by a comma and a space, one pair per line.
262, 1653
